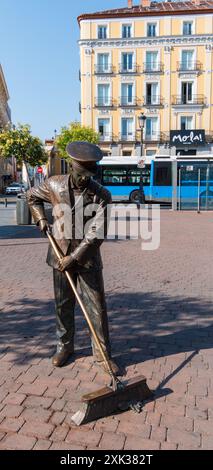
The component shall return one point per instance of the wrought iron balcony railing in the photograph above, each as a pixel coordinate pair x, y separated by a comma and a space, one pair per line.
153, 100
127, 102
103, 69
178, 100
134, 68
106, 137
189, 66
153, 67
127, 137
104, 102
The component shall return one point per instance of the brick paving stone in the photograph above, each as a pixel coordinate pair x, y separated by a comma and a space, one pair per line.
33, 402
203, 426
55, 392
36, 414
11, 411
109, 424
177, 422
112, 442
34, 389
15, 398
58, 418
85, 437
17, 442
38, 430
183, 437
168, 446
11, 424
42, 444
207, 442
60, 433
64, 446
136, 442
158, 433
58, 404
143, 430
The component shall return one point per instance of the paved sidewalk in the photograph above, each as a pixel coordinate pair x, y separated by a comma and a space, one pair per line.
160, 309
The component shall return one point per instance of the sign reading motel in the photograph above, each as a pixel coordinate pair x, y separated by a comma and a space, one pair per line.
190, 137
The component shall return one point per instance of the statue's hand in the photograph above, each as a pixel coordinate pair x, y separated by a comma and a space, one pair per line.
66, 263
44, 226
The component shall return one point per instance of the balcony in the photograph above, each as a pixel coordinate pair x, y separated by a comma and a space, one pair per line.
152, 67
155, 101
135, 69
104, 70
104, 102
189, 66
194, 100
125, 102
129, 137
106, 137
155, 137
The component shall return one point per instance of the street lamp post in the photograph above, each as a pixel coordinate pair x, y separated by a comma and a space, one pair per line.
141, 121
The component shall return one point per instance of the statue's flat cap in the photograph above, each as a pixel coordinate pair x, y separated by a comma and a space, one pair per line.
84, 152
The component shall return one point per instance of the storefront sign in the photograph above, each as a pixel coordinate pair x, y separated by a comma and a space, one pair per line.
192, 137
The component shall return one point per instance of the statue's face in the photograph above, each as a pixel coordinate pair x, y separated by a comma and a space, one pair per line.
81, 175
79, 180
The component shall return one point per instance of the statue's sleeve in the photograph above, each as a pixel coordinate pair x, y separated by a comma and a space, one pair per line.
36, 197
96, 230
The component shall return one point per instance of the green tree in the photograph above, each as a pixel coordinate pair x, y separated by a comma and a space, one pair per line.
19, 143
72, 133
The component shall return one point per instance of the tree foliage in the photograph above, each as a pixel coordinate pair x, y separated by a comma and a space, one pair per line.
19, 143
74, 132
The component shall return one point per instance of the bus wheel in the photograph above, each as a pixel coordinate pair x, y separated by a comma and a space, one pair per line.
134, 196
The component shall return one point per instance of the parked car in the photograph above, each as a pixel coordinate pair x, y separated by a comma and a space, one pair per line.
14, 188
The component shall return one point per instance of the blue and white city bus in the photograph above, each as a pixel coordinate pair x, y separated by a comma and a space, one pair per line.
194, 178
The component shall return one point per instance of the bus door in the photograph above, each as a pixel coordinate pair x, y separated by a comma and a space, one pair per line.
161, 181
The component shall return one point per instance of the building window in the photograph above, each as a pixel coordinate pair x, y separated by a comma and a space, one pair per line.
152, 61
186, 92
152, 29
152, 93
187, 60
186, 122
150, 153
126, 153
126, 94
151, 128
103, 63
103, 95
127, 62
187, 27
126, 31
127, 125
104, 129
102, 32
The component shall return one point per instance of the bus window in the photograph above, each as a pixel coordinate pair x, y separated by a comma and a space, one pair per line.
134, 176
162, 174
114, 176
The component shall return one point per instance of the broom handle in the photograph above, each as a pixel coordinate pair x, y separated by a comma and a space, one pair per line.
97, 341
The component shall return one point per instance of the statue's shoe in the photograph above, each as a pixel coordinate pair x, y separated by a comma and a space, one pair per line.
62, 356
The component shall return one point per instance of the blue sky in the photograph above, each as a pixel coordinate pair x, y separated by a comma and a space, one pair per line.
40, 58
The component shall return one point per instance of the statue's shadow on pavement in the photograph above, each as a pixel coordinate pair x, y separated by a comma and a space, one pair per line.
143, 327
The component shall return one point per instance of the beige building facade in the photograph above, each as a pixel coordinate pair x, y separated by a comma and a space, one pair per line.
6, 167
151, 58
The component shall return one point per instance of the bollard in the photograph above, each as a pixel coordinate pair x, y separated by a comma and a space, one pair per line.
5, 202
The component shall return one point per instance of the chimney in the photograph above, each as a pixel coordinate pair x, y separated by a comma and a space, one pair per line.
129, 3
145, 3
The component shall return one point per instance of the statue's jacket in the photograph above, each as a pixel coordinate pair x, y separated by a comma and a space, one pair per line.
60, 193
